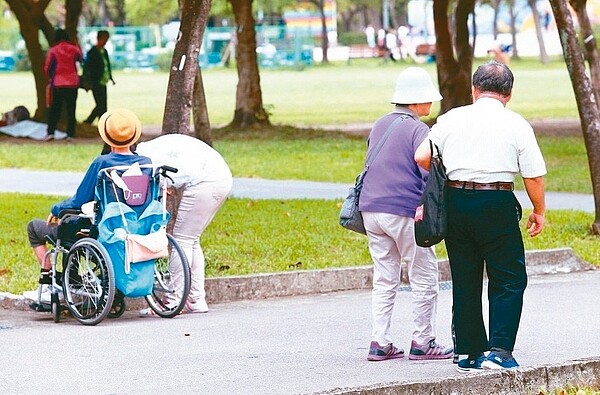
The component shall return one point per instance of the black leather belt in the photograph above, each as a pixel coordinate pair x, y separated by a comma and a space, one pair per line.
477, 186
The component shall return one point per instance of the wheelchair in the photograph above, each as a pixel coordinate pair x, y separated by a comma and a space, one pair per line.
87, 281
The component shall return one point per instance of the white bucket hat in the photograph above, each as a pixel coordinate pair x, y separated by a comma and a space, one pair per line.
414, 86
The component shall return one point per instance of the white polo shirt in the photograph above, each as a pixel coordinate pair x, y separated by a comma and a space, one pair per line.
486, 142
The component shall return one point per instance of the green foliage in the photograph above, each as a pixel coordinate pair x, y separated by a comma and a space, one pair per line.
143, 13
163, 60
351, 38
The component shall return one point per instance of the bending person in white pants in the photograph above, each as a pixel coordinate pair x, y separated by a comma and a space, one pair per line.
206, 181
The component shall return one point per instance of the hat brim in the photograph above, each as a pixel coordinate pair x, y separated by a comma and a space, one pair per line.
115, 143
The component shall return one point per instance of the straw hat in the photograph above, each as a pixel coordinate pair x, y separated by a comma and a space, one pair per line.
119, 127
414, 86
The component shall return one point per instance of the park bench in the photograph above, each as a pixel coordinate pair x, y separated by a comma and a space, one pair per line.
361, 51
426, 50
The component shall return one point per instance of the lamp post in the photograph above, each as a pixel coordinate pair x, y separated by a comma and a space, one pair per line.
385, 13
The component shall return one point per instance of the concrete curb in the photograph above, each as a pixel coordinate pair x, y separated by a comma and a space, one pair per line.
529, 380
229, 289
305, 282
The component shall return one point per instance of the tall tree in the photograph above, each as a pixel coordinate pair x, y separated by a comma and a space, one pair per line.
513, 28
538, 31
184, 66
202, 128
590, 48
249, 110
589, 114
32, 20
320, 4
454, 73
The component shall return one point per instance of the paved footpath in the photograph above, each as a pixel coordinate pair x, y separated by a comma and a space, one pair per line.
294, 345
65, 184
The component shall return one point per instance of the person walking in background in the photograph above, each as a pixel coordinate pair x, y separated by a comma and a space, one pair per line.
484, 145
370, 35
206, 181
388, 201
63, 81
391, 45
96, 74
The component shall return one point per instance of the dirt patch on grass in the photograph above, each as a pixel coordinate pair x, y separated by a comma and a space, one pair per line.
542, 127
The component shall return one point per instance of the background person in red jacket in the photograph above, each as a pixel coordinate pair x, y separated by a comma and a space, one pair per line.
63, 80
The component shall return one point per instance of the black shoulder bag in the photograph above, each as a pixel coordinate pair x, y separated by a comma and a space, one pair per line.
431, 217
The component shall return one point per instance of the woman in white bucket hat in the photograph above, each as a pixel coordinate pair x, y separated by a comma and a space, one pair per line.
391, 192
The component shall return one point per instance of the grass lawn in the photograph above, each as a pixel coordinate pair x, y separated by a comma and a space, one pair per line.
318, 95
263, 236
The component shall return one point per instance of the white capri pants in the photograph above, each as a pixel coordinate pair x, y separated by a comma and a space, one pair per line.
391, 242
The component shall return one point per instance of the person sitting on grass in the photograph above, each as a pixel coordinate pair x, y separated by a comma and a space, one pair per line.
120, 129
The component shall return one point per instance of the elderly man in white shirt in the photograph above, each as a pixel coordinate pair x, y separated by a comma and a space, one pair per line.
206, 181
484, 146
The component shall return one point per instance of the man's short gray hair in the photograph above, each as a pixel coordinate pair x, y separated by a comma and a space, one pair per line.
494, 77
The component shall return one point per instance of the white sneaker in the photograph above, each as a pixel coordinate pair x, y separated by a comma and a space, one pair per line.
33, 295
199, 306
147, 312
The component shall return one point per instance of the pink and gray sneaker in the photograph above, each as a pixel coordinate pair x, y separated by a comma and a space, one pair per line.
381, 353
430, 350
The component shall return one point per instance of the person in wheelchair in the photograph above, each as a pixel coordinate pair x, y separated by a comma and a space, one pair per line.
120, 129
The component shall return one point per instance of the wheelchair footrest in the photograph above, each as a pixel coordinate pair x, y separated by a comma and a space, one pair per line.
41, 307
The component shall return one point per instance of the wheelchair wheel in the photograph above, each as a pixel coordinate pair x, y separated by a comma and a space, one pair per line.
88, 281
171, 282
118, 306
55, 307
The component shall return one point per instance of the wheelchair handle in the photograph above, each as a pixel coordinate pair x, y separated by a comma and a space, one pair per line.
166, 168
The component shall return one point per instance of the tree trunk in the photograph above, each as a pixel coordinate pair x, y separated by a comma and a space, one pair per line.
74, 8
320, 4
249, 111
538, 31
30, 15
496, 5
202, 129
324, 36
474, 30
104, 15
454, 74
589, 114
184, 66
513, 29
590, 49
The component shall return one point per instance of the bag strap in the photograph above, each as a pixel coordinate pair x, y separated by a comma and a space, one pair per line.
437, 149
119, 203
373, 154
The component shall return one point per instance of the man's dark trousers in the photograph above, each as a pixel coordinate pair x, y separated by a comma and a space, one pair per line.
100, 97
484, 226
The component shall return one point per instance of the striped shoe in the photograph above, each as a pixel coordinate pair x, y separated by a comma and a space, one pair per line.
381, 353
431, 350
